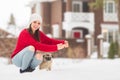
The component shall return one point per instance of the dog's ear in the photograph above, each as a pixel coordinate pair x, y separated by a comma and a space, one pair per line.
43, 56
52, 56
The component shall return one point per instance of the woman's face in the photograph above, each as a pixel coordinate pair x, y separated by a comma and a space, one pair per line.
35, 25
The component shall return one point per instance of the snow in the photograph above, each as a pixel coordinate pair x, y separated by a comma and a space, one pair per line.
66, 69
100, 36
106, 46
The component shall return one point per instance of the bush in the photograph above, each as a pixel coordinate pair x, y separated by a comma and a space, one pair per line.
116, 48
113, 50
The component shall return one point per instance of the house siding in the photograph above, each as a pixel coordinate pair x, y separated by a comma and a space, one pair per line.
46, 15
57, 14
98, 20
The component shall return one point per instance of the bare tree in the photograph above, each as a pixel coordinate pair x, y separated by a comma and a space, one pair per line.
12, 20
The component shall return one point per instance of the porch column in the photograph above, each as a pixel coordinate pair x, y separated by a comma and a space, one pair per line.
89, 45
100, 46
68, 33
69, 6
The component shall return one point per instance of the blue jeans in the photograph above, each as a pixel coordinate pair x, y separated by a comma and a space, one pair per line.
26, 58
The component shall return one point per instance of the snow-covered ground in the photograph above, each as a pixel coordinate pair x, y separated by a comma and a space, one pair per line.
66, 69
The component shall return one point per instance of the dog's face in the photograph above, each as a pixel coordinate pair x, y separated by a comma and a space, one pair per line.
47, 61
47, 57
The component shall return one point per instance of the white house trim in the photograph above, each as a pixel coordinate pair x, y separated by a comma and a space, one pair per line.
55, 28
110, 11
70, 25
107, 6
110, 27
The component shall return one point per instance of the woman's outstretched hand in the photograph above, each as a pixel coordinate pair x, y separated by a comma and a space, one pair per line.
60, 46
66, 44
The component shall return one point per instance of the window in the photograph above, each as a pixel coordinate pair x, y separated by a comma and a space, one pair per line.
76, 6
109, 7
113, 36
77, 34
110, 36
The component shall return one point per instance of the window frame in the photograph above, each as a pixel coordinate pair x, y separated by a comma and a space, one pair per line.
107, 6
77, 3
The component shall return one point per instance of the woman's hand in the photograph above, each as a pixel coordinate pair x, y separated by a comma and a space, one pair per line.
60, 46
66, 44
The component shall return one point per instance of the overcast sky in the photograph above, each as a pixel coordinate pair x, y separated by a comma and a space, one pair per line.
19, 9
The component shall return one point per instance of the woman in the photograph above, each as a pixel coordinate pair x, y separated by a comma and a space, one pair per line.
31, 40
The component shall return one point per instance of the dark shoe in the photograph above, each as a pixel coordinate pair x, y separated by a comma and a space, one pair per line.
22, 71
29, 69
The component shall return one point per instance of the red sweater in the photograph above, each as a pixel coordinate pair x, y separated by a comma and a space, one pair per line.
46, 44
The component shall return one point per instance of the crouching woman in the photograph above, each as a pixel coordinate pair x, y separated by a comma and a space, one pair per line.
29, 41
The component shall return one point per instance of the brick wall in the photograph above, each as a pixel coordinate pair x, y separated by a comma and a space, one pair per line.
7, 45
75, 50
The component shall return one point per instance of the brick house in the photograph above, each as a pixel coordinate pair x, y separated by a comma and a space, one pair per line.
109, 20
73, 20
106, 22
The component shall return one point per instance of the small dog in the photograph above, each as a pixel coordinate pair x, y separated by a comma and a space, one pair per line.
47, 62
